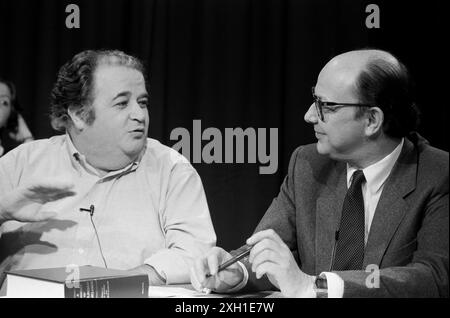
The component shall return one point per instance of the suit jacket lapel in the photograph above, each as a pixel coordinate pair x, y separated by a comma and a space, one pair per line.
391, 207
328, 215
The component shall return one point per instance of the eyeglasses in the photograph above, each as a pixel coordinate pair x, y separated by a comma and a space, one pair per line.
321, 105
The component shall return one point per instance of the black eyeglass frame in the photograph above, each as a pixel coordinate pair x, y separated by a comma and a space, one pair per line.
319, 104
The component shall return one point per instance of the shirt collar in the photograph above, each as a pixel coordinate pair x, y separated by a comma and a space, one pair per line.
79, 161
377, 173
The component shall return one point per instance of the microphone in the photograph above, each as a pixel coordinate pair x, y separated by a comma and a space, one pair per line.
90, 210
336, 238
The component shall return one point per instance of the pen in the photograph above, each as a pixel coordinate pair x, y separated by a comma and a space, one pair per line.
245, 251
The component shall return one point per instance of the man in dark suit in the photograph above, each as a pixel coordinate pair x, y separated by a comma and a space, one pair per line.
361, 213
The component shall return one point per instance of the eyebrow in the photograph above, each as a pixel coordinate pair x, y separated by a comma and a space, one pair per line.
128, 94
122, 94
314, 92
317, 96
320, 97
144, 95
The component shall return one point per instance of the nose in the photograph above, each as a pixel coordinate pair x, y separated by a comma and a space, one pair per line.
138, 112
311, 115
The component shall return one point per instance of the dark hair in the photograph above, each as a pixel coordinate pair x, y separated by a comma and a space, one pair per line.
75, 83
385, 82
12, 124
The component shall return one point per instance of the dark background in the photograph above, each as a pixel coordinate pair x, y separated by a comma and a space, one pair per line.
229, 63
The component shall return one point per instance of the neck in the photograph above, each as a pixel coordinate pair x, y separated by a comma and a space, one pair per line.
373, 152
101, 159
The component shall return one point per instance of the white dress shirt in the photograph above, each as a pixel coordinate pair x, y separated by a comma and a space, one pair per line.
154, 211
376, 176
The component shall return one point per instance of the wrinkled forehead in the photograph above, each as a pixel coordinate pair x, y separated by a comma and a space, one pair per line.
109, 79
336, 82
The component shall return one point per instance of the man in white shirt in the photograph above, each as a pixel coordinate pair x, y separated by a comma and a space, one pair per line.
110, 196
361, 213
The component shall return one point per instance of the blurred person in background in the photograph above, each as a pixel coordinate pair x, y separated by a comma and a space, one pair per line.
13, 129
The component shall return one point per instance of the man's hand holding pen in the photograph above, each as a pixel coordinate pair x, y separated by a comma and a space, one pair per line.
205, 273
268, 255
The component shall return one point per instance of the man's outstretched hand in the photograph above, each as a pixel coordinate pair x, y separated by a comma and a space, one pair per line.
24, 203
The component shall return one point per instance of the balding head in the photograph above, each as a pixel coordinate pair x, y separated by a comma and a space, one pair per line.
344, 69
376, 78
360, 58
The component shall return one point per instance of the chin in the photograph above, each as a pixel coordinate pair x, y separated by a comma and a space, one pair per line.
322, 149
135, 150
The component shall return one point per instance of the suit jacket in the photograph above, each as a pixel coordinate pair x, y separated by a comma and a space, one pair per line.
409, 236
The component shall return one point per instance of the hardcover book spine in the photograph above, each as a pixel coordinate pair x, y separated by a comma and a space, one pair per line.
116, 287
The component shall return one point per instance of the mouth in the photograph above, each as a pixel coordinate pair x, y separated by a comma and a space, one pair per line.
319, 135
138, 133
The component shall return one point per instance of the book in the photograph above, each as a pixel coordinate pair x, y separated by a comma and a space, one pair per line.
75, 282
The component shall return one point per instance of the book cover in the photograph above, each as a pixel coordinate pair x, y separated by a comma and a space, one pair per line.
76, 282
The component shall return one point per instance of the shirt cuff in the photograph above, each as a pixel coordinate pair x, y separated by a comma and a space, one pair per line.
335, 285
244, 281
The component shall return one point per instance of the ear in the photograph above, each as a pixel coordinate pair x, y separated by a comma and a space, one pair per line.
375, 119
76, 118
